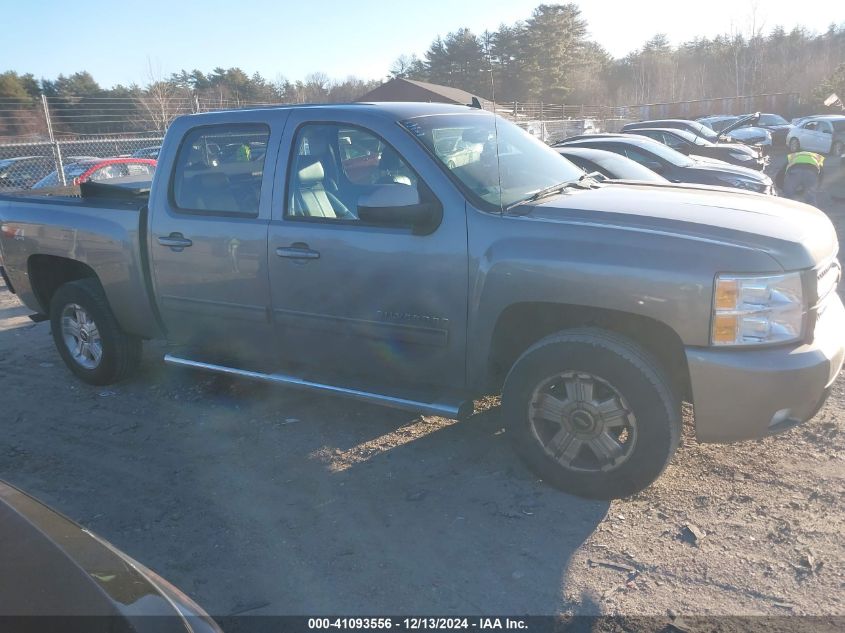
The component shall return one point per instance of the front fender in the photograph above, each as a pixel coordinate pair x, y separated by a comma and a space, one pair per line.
664, 277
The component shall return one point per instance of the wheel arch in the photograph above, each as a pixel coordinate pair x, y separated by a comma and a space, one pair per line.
47, 273
520, 325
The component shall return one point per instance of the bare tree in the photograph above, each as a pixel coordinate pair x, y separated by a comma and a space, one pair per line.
161, 101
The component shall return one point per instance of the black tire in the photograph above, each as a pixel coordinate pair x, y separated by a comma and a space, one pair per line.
619, 364
120, 352
794, 145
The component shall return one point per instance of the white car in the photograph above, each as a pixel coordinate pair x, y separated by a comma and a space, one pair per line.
822, 134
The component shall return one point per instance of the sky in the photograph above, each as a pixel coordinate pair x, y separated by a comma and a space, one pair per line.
124, 42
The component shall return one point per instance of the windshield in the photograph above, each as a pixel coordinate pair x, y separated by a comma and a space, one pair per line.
627, 169
666, 153
465, 144
692, 137
717, 124
772, 119
702, 131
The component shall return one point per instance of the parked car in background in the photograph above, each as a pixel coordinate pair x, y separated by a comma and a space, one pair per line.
677, 167
688, 143
799, 120
822, 134
147, 152
99, 169
455, 151
747, 134
693, 127
54, 568
776, 124
609, 164
24, 171
735, 129
589, 135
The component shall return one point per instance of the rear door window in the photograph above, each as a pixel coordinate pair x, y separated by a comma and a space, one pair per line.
219, 170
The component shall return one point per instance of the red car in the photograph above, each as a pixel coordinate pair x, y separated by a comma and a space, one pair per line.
99, 169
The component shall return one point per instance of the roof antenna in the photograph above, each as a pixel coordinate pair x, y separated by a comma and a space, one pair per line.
475, 103
495, 128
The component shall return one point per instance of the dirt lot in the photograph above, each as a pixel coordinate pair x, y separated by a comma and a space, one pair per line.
260, 500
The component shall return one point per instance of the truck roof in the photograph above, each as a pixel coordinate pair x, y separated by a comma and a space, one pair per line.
397, 109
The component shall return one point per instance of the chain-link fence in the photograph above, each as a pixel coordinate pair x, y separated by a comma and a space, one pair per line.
51, 139
553, 131
62, 162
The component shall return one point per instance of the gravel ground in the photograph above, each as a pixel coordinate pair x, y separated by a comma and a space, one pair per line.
270, 501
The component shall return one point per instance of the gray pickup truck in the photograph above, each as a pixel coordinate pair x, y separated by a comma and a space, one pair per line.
349, 249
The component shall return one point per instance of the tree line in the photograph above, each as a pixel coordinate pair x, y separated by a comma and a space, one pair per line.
79, 105
548, 57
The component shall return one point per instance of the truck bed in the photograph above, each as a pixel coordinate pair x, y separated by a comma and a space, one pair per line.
106, 234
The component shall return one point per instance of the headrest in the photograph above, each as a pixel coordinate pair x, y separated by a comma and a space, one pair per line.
311, 173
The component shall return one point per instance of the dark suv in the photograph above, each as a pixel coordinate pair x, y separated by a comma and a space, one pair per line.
676, 166
688, 143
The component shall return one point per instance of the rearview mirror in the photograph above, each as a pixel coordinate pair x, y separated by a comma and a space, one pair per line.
654, 166
399, 205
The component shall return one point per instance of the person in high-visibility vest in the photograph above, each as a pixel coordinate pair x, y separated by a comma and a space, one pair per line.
244, 153
802, 176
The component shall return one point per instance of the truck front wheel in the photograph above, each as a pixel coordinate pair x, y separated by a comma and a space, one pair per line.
592, 413
88, 337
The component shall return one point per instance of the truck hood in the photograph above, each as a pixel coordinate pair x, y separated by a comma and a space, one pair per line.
796, 235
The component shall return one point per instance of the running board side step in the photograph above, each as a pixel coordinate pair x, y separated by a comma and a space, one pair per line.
454, 408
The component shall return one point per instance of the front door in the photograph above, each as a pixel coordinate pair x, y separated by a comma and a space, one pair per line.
825, 137
365, 301
810, 137
208, 241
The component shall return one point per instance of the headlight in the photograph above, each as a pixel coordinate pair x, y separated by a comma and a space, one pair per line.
742, 183
757, 310
743, 157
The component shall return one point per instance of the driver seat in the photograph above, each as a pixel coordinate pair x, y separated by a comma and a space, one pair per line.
310, 197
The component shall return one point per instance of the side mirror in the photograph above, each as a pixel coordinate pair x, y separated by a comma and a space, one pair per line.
399, 205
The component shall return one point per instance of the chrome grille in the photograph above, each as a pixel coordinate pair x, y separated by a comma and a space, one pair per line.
827, 279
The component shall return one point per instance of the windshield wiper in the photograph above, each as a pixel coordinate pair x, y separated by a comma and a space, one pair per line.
545, 192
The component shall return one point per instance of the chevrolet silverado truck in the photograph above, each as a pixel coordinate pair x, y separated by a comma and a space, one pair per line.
335, 248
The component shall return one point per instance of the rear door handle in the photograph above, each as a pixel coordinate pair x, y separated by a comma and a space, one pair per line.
175, 241
297, 251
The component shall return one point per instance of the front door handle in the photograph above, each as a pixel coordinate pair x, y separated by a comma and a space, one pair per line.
175, 241
297, 251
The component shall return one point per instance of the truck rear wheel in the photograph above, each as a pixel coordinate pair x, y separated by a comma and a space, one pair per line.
88, 337
592, 413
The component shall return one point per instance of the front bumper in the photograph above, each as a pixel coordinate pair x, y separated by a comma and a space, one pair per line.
751, 393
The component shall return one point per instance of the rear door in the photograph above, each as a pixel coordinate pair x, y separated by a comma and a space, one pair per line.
369, 302
208, 237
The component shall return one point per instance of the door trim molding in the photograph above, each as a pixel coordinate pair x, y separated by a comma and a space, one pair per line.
381, 330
